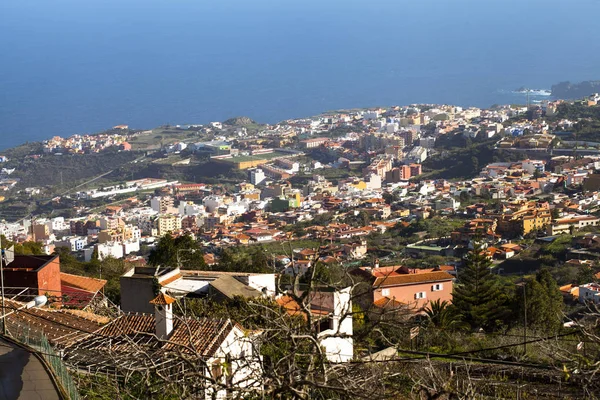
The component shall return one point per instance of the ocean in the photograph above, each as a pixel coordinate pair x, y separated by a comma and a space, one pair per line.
72, 66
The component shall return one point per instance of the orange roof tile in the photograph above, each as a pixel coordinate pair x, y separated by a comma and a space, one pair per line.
82, 282
170, 280
408, 279
162, 299
386, 302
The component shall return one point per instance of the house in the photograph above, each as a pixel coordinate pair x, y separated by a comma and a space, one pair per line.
28, 276
33, 276
589, 293
332, 312
222, 348
80, 291
138, 285
571, 224
356, 250
413, 287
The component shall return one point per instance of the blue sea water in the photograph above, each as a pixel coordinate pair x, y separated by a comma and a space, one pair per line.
73, 66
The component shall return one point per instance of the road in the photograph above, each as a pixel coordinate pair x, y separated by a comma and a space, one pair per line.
23, 376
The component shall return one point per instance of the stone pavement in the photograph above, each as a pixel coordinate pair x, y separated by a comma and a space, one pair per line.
23, 376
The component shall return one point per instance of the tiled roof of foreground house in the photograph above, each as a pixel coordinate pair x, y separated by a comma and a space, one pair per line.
131, 340
203, 335
61, 327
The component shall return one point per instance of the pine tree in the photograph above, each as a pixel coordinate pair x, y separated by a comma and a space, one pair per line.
478, 296
544, 303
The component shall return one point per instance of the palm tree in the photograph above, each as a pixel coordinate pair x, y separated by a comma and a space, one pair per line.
443, 315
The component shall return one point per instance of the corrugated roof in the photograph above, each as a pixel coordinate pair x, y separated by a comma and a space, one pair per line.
231, 287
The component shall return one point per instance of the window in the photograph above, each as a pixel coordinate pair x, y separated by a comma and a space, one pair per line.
437, 287
420, 295
385, 292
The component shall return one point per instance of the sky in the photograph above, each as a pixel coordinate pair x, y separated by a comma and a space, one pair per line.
83, 66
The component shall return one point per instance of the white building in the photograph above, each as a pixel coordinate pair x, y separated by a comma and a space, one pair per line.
75, 243
373, 182
212, 203
417, 155
371, 115
392, 127
257, 176
447, 202
533, 165
589, 293
162, 204
337, 340
109, 249
131, 246
189, 208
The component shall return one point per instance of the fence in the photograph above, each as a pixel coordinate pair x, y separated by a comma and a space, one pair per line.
38, 341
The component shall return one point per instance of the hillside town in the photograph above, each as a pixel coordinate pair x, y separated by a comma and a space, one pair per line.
334, 224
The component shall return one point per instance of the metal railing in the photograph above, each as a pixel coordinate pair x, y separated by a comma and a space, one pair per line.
37, 341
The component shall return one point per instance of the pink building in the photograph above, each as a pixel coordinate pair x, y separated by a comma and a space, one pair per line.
414, 288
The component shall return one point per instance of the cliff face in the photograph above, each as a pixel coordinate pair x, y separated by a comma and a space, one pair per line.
568, 90
239, 121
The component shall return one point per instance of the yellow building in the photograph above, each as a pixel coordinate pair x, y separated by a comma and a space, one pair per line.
167, 223
240, 162
528, 218
358, 184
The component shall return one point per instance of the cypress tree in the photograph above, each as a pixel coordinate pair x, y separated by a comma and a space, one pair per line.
478, 296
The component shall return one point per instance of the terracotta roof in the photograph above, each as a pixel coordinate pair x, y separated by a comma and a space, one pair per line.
293, 308
204, 335
82, 282
170, 279
61, 327
162, 299
409, 279
386, 302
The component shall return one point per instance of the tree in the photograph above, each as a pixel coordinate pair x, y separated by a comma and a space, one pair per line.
25, 248
555, 213
554, 300
585, 275
478, 296
252, 259
182, 251
475, 165
442, 315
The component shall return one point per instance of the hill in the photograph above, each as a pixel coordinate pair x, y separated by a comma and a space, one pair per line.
568, 90
240, 121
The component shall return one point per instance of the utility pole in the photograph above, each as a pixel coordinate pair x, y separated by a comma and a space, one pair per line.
32, 219
4, 330
524, 316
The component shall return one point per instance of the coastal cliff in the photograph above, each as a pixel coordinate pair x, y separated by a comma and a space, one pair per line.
568, 90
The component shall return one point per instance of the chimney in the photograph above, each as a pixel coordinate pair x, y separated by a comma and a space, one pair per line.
342, 312
163, 313
376, 263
